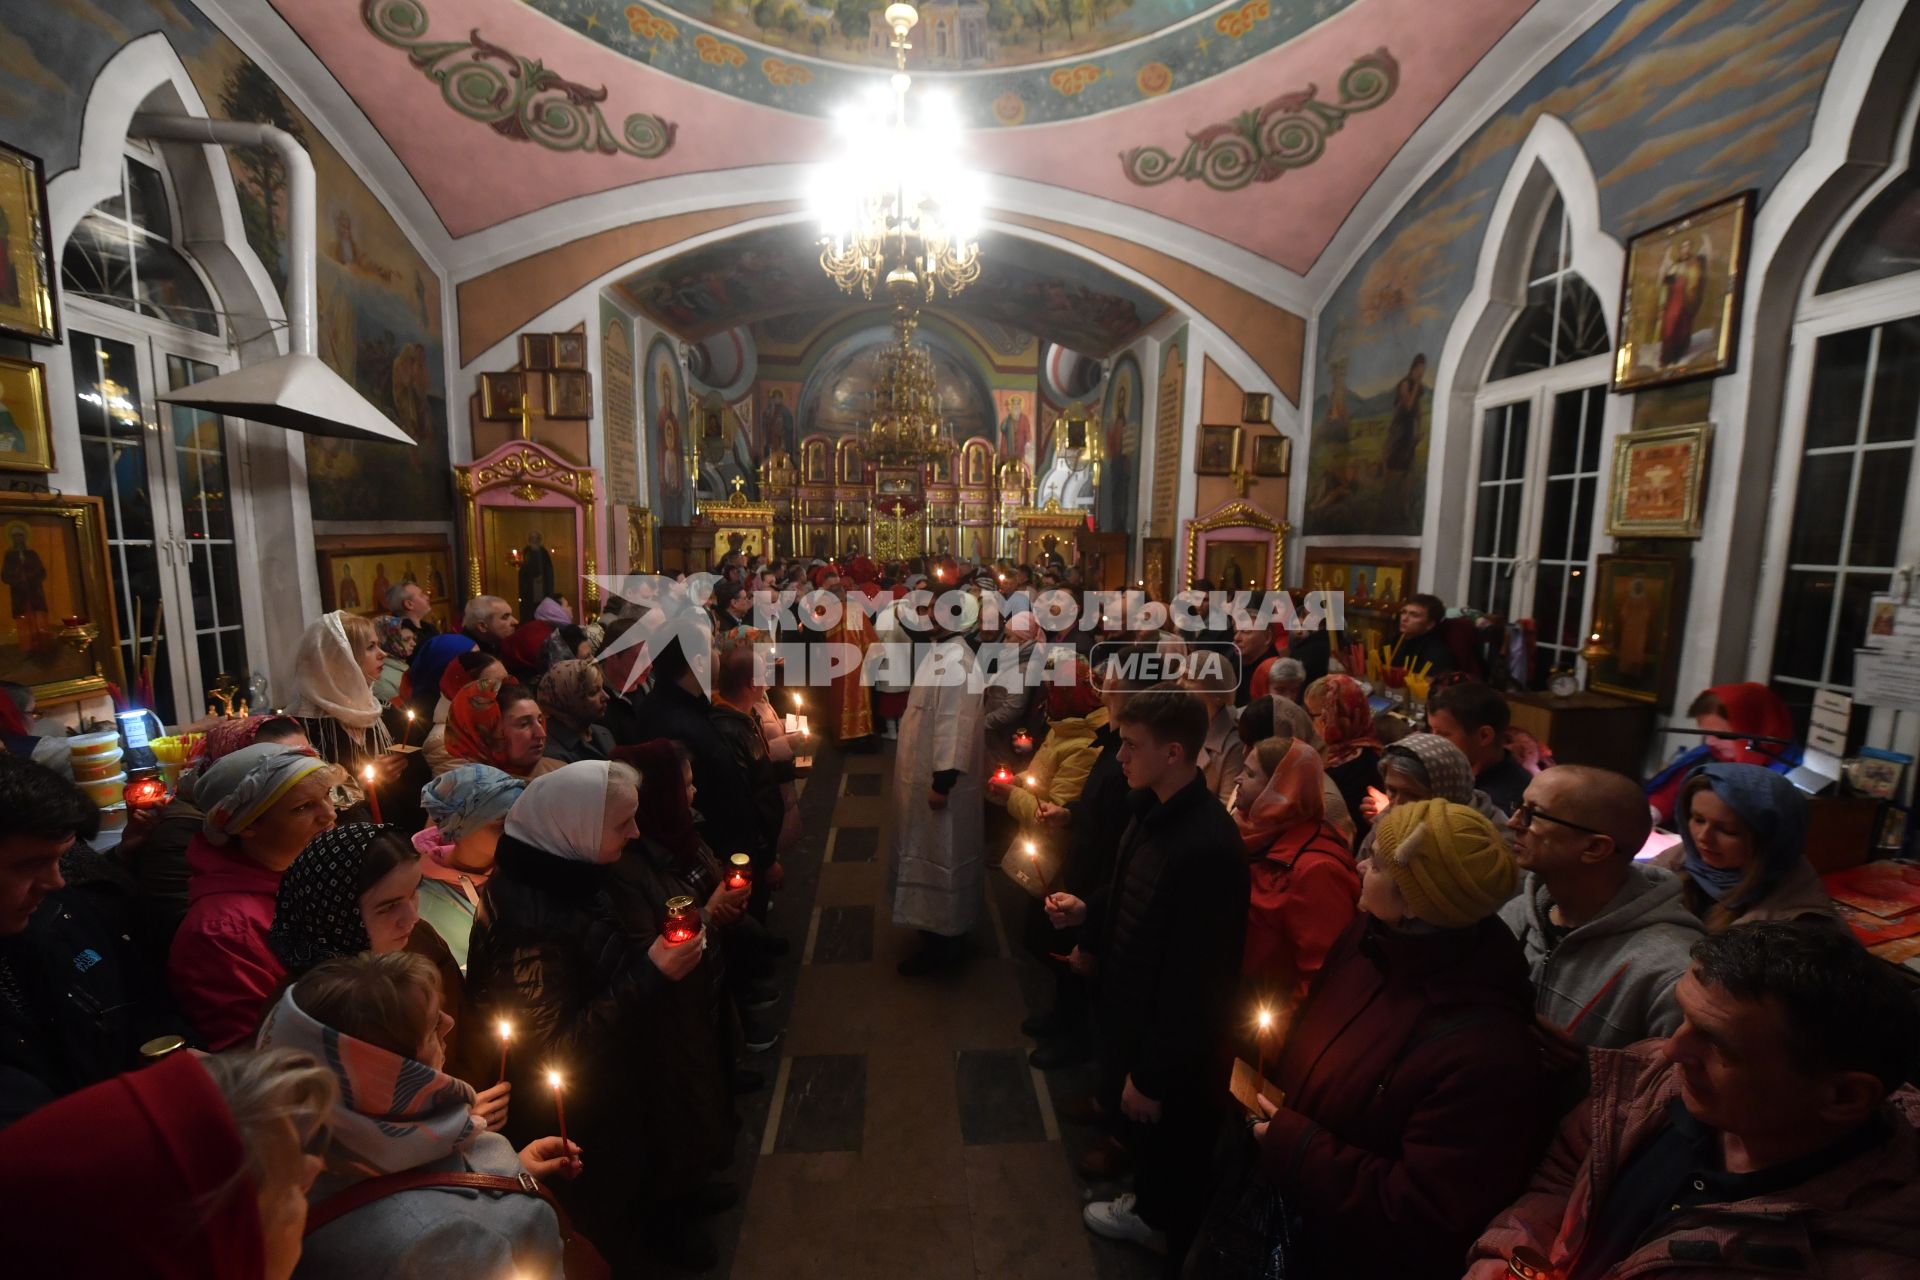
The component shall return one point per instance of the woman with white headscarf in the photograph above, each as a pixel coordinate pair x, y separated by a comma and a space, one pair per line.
549, 955
333, 675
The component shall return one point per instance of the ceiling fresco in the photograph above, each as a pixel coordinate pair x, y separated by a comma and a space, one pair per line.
775, 271
1007, 64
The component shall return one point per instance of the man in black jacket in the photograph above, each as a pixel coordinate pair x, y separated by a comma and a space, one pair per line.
77, 1000
1164, 938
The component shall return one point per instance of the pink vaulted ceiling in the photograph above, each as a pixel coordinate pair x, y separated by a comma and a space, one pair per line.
476, 178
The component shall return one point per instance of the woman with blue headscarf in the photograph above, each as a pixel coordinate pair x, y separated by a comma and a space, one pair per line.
467, 810
1744, 832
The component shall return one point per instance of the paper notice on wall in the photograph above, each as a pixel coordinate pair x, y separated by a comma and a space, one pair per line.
1893, 624
1884, 678
1832, 717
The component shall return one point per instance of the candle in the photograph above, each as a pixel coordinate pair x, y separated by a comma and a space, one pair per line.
146, 793
1264, 1020
553, 1078
1033, 851
408, 737
1003, 774
793, 723
682, 923
506, 1034
1033, 783
1022, 741
741, 874
805, 731
373, 797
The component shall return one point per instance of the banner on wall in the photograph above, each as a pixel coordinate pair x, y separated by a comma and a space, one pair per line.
1169, 404
622, 409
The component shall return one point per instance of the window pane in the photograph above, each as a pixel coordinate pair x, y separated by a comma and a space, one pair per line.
1549, 591
1583, 521
1819, 510
169, 290
1480, 586
216, 587
1502, 590
1583, 323
1896, 383
98, 262
199, 441
1555, 519
1839, 371
1596, 428
1854, 592
1520, 418
1563, 444
1546, 245
1486, 519
1493, 443
149, 200
1883, 241
1528, 346
1879, 506
1509, 540
1800, 644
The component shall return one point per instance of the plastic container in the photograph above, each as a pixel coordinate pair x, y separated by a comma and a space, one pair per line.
96, 768
106, 792
114, 818
94, 744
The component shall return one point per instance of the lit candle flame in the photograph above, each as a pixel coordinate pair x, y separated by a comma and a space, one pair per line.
1033, 782
409, 715
506, 1029
553, 1080
367, 773
1266, 1019
1032, 852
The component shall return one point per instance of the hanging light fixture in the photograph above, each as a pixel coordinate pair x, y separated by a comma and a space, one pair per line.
905, 427
897, 208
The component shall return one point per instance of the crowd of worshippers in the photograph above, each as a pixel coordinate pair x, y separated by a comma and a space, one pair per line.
485, 1007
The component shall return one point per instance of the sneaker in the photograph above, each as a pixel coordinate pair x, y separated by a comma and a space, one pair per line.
1115, 1219
757, 1039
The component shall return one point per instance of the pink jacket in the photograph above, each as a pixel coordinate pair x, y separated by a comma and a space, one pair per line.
221, 969
1860, 1221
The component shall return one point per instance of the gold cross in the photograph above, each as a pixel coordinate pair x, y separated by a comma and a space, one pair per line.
739, 483
525, 414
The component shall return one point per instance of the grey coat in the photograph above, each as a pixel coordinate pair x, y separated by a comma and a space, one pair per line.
1646, 926
434, 1233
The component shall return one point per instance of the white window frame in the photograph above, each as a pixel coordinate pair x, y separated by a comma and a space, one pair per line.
153, 340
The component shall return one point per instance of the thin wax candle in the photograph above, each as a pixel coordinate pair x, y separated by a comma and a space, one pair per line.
373, 797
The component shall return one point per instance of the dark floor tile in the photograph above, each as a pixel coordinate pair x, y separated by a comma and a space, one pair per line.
863, 784
826, 1103
845, 936
856, 844
997, 1103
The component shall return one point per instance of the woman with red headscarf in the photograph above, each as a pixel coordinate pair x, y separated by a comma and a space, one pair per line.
472, 666
1339, 709
500, 726
1306, 888
1732, 715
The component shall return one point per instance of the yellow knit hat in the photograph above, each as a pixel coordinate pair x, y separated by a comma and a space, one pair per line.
1451, 865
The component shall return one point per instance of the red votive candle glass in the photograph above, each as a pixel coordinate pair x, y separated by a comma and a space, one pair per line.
740, 873
683, 922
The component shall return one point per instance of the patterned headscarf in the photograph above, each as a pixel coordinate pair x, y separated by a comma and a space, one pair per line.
1345, 719
1442, 767
394, 1113
469, 796
246, 783
474, 731
388, 629
566, 691
316, 915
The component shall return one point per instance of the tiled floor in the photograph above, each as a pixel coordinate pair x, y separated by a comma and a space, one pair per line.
904, 1134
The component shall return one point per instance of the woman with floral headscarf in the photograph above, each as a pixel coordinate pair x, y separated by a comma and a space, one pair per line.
378, 1023
471, 667
1425, 766
159, 861
1352, 753
574, 697
497, 725
468, 808
263, 804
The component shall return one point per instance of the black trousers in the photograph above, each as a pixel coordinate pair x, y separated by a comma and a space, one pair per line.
1172, 1169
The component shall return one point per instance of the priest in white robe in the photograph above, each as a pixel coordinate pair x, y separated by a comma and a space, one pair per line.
937, 866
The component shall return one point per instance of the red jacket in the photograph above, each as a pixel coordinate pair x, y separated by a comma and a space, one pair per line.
1858, 1221
1306, 890
220, 968
1416, 1100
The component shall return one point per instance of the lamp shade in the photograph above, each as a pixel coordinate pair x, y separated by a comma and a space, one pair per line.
295, 392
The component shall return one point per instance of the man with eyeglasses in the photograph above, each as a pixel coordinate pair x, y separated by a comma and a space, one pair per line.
1598, 928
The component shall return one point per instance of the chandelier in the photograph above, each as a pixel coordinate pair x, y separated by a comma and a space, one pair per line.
897, 208
905, 427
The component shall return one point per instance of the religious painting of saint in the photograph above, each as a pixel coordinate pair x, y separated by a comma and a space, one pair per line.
1636, 613
774, 431
26, 435
357, 571
53, 566
1236, 565
1659, 482
1680, 299
27, 282
1219, 451
1016, 430
666, 410
570, 395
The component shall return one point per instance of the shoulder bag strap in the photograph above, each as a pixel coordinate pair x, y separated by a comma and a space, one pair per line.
361, 1194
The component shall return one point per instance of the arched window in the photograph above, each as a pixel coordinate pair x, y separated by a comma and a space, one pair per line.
141, 318
1847, 515
1538, 455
